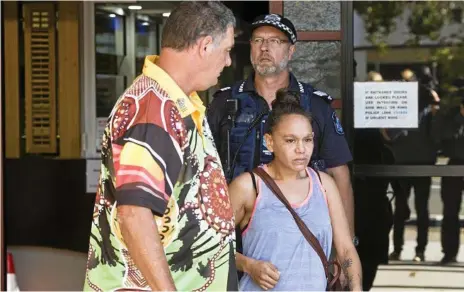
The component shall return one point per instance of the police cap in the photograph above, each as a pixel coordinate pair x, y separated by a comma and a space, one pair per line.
278, 21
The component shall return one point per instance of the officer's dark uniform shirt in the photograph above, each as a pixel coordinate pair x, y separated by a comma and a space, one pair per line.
330, 145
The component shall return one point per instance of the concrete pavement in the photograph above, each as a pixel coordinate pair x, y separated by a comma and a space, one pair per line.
407, 275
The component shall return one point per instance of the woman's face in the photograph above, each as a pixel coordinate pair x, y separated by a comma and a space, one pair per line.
292, 142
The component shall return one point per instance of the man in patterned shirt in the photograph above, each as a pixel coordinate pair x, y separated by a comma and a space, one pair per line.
162, 218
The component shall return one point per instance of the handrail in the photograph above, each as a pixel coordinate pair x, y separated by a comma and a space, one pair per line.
367, 170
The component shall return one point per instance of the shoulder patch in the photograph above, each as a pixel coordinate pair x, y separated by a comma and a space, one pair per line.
323, 95
337, 124
225, 88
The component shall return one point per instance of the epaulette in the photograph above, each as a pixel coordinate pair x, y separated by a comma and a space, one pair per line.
222, 91
327, 98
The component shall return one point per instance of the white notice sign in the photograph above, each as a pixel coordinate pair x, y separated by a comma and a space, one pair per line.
385, 104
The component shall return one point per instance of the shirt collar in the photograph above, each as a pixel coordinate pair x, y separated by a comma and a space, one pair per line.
187, 105
249, 84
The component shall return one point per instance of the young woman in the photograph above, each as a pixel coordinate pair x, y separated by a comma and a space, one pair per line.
275, 253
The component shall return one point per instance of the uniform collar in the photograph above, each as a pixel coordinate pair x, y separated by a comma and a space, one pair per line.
187, 105
249, 84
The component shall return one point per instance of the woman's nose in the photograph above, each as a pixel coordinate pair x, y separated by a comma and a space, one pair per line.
300, 147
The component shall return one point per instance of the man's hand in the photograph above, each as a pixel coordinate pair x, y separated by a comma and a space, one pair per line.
263, 273
143, 242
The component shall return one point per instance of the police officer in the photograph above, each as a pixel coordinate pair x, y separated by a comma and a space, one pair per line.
449, 129
238, 113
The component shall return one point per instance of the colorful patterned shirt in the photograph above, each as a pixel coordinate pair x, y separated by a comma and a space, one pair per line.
158, 153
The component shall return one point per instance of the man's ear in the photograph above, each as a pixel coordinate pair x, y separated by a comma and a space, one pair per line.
269, 142
206, 45
291, 50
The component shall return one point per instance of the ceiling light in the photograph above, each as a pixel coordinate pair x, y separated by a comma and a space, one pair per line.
112, 15
145, 23
166, 14
135, 7
119, 11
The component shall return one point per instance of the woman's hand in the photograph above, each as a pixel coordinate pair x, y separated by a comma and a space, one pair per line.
263, 273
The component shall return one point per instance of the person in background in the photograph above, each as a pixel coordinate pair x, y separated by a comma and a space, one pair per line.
276, 255
427, 79
373, 76
162, 219
448, 130
414, 147
373, 211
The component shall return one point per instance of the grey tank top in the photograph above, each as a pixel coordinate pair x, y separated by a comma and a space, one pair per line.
272, 235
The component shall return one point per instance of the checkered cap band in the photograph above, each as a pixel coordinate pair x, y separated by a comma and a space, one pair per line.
280, 25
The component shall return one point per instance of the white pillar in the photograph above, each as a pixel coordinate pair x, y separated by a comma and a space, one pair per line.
128, 65
88, 86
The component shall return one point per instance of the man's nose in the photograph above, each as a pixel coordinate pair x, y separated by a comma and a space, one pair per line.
228, 61
264, 46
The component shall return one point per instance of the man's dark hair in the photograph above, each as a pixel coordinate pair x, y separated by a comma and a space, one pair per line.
191, 20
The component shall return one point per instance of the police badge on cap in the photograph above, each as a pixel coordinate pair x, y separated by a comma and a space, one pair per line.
272, 17
275, 20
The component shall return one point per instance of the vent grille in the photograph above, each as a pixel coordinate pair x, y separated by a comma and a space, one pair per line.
40, 73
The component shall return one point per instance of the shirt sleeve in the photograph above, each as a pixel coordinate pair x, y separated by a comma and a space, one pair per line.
147, 160
334, 149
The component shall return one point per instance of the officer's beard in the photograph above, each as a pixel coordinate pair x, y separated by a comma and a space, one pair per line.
269, 70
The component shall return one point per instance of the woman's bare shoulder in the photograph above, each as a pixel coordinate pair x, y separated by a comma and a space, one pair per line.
328, 183
242, 185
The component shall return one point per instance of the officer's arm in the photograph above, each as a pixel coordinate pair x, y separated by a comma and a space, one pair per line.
341, 175
336, 154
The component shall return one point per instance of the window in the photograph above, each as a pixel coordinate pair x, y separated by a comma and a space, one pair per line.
110, 49
147, 38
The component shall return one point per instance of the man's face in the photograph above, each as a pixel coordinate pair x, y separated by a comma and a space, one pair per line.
216, 57
270, 51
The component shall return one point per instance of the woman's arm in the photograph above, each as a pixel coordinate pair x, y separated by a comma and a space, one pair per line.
346, 252
243, 197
